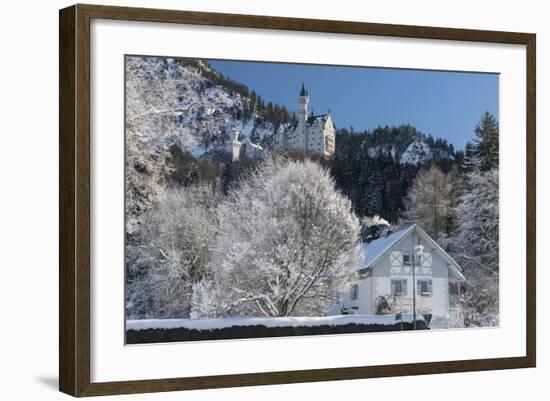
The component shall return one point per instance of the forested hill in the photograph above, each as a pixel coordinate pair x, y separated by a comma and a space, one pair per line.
405, 144
376, 168
196, 107
208, 104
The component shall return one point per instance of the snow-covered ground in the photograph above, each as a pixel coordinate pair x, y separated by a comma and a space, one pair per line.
220, 323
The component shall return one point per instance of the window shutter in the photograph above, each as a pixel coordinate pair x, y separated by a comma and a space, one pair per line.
393, 287
419, 286
430, 286
404, 287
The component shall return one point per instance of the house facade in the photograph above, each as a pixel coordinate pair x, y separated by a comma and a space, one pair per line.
387, 283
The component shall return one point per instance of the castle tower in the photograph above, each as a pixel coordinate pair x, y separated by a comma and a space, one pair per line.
301, 129
234, 146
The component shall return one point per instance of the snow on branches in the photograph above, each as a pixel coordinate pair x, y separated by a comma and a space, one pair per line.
476, 246
171, 253
152, 126
287, 244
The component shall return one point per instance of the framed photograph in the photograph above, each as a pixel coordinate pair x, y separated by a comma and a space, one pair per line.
250, 200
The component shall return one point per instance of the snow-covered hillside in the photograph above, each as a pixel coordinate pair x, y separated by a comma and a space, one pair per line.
417, 152
209, 111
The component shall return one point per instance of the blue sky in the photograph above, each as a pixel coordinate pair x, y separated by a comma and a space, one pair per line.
444, 104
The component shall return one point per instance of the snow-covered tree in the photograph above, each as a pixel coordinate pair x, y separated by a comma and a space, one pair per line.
152, 126
171, 253
477, 246
432, 200
287, 244
479, 217
471, 161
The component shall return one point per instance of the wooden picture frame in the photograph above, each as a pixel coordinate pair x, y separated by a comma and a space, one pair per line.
74, 199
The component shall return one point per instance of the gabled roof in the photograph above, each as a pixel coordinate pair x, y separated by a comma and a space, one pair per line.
377, 248
374, 250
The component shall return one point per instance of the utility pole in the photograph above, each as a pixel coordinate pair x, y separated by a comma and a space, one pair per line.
418, 251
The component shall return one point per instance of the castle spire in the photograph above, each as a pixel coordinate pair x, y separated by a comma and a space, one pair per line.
303, 90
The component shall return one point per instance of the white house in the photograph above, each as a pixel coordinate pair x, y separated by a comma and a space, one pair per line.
386, 273
311, 134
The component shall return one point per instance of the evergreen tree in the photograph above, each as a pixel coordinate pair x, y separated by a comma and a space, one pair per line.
253, 101
485, 142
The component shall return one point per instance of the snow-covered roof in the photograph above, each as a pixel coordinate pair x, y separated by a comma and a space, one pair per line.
311, 120
374, 250
378, 247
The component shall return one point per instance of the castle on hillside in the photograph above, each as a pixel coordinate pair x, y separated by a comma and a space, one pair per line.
235, 147
311, 134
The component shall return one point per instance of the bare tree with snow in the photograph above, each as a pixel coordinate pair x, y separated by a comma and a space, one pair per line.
172, 253
287, 244
432, 201
152, 126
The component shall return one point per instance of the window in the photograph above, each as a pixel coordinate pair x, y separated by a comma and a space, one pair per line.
424, 287
399, 287
354, 292
407, 260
